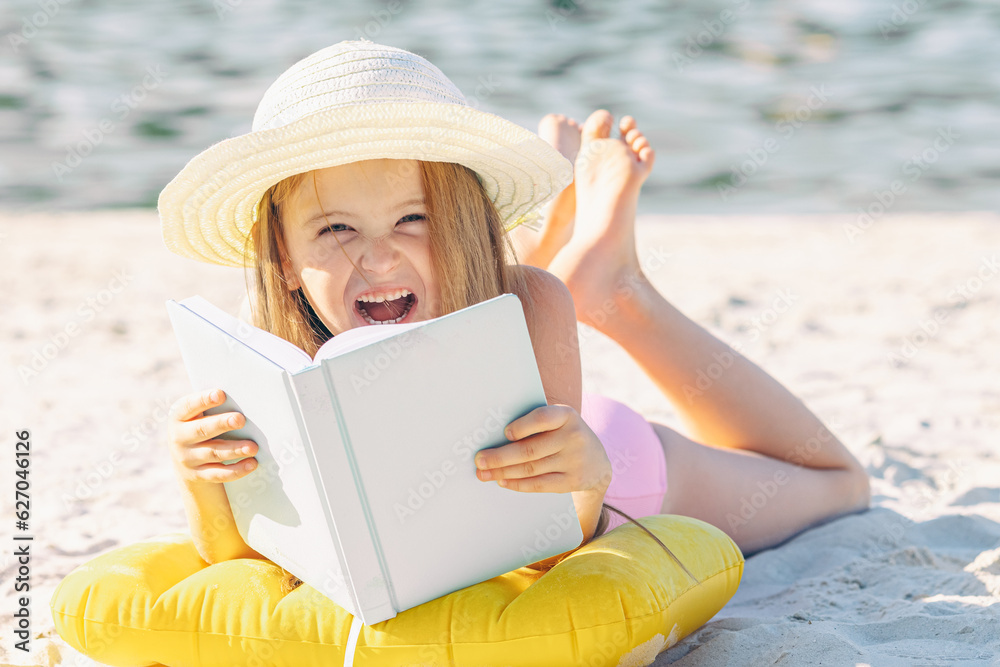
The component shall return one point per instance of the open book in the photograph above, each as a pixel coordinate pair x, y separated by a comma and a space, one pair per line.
366, 487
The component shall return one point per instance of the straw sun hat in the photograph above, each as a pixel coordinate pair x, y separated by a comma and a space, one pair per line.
355, 100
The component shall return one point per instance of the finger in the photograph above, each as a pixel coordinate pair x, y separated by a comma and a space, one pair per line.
552, 482
554, 463
217, 451
218, 472
545, 418
531, 448
206, 428
190, 406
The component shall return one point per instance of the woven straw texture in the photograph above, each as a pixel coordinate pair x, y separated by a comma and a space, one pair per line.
352, 101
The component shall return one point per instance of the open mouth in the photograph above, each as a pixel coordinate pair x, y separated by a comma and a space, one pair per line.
380, 310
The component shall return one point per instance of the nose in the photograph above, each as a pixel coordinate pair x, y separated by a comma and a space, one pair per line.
379, 255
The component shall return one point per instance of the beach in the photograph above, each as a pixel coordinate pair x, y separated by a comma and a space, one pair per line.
885, 326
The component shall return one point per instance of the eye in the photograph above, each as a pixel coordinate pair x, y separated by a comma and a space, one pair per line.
412, 217
335, 227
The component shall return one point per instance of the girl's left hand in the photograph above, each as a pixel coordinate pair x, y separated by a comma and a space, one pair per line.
552, 450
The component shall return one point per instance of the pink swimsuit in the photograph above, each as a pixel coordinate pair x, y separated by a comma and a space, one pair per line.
638, 465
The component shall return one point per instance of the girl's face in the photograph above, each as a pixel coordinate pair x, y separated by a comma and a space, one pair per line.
368, 259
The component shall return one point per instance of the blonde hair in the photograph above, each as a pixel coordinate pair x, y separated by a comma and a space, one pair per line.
471, 254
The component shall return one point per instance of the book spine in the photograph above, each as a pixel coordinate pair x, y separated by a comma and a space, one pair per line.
340, 486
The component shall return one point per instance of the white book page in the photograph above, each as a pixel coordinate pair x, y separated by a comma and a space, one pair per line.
285, 354
359, 337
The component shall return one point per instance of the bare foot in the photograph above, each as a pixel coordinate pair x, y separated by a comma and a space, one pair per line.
538, 247
599, 263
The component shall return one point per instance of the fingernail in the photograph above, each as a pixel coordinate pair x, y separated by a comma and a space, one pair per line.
234, 420
502, 482
507, 434
249, 465
216, 396
486, 475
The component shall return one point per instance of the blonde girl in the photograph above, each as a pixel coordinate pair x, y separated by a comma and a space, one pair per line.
370, 192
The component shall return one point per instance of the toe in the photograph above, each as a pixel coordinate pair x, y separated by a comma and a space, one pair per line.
598, 125
647, 156
626, 124
549, 123
632, 135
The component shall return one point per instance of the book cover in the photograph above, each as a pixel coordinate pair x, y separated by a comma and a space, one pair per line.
368, 491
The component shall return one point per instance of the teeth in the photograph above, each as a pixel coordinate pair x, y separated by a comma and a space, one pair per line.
371, 321
388, 296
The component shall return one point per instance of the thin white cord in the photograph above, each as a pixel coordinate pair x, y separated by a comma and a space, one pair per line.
352, 641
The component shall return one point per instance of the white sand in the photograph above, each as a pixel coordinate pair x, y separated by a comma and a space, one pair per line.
916, 580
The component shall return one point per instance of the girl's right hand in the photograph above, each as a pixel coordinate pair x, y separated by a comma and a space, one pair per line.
196, 451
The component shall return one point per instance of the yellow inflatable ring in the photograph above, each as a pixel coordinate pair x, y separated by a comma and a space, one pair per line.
618, 600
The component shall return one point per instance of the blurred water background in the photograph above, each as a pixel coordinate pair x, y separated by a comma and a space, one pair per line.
754, 106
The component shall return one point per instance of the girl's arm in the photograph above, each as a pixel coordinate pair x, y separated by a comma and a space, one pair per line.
213, 527
197, 457
552, 327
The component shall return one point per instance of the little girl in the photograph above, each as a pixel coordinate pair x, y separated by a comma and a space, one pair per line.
370, 192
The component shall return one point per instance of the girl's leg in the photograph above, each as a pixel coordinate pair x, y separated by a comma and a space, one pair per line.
756, 500
538, 247
743, 408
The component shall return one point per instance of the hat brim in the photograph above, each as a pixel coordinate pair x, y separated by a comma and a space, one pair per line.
206, 211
